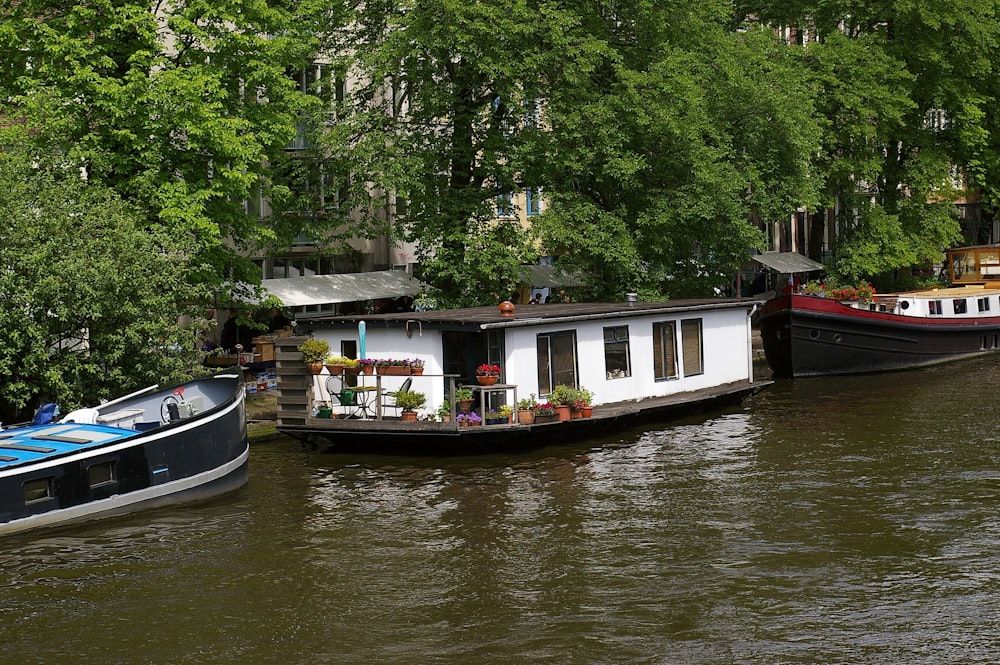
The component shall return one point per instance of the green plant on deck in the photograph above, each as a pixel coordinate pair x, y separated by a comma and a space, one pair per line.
314, 350
409, 400
563, 395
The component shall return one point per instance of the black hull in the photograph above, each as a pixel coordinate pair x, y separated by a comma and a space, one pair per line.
802, 342
180, 462
444, 440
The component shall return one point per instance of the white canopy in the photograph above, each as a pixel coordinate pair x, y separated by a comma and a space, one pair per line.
344, 287
788, 262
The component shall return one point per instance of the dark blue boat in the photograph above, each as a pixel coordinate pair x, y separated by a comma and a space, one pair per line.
152, 448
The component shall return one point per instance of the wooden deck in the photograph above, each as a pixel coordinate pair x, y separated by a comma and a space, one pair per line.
434, 438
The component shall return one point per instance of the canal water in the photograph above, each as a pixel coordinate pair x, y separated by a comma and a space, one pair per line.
841, 520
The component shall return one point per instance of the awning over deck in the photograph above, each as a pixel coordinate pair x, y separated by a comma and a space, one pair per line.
344, 287
788, 262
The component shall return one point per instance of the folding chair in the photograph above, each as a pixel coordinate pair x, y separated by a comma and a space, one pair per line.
389, 399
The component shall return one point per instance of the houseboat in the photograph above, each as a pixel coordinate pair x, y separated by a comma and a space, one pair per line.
637, 362
153, 448
812, 335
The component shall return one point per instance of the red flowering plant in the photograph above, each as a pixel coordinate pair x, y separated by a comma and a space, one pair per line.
488, 370
545, 409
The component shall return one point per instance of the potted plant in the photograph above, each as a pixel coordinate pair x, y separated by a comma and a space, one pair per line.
416, 366
581, 407
409, 401
505, 411
444, 412
469, 419
313, 352
545, 412
335, 364
563, 397
526, 410
492, 417
463, 398
487, 374
367, 365
392, 366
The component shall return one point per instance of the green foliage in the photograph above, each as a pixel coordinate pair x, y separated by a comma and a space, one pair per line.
91, 296
409, 400
180, 108
314, 349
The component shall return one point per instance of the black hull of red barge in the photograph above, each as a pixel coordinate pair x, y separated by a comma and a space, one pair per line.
801, 342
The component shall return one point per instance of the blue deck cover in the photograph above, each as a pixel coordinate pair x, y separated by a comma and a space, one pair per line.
36, 443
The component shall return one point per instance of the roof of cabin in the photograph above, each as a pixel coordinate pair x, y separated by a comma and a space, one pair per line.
529, 315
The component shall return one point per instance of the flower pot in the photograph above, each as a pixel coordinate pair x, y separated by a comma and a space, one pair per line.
315, 367
575, 414
587, 411
394, 370
563, 412
525, 416
334, 370
487, 380
368, 370
548, 418
417, 371
465, 405
352, 371
408, 416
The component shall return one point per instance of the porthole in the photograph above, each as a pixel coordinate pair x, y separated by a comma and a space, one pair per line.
905, 304
813, 334
836, 338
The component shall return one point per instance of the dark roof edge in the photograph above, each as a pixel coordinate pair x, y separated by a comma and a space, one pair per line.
620, 313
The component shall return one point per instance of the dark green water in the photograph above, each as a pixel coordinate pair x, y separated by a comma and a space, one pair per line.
849, 520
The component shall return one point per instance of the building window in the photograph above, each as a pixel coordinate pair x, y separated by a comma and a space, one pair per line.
984, 304
556, 360
534, 200
505, 205
616, 356
665, 350
959, 306
691, 347
934, 307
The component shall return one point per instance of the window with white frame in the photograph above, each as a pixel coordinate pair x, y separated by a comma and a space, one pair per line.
616, 352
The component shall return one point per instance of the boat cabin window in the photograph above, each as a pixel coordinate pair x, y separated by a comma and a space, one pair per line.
691, 347
616, 355
665, 350
101, 474
959, 306
934, 307
556, 360
983, 304
37, 490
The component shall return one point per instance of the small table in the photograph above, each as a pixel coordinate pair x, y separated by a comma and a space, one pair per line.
368, 399
495, 388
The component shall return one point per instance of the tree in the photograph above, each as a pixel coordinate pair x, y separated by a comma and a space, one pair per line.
90, 295
442, 96
178, 107
671, 139
907, 91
